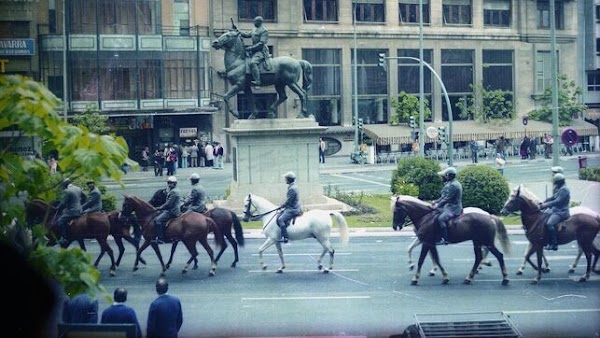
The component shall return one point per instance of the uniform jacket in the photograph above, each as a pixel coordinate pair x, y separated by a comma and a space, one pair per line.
94, 201
164, 317
451, 198
173, 202
119, 313
260, 37
81, 309
196, 199
292, 201
558, 203
71, 203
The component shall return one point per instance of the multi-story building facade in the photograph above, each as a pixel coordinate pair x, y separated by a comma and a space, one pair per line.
590, 51
499, 44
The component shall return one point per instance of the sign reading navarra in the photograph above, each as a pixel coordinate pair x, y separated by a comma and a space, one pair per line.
17, 47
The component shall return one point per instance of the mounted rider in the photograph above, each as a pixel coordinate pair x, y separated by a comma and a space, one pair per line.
196, 199
70, 208
450, 203
94, 199
170, 209
557, 206
291, 207
258, 50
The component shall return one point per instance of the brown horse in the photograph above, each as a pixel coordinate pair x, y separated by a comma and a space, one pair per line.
189, 228
582, 226
94, 225
225, 219
120, 230
475, 225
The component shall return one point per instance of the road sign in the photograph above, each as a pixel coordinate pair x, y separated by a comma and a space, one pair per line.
432, 132
569, 136
525, 120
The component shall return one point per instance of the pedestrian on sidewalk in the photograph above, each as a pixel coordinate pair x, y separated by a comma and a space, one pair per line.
500, 162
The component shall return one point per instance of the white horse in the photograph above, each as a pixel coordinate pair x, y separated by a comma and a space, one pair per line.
311, 224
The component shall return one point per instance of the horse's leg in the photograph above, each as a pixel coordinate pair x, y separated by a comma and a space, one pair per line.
576, 261
281, 97
280, 252
173, 247
251, 101
327, 247
119, 242
436, 260
484, 260
527, 259
209, 251
478, 258
302, 96
262, 248
224, 246
539, 253
424, 251
104, 247
587, 250
136, 245
81, 244
156, 249
138, 255
229, 94
500, 257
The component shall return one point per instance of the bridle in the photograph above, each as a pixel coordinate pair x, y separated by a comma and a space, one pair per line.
250, 215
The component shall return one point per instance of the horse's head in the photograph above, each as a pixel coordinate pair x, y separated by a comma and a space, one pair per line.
520, 199
249, 209
227, 40
414, 208
159, 198
399, 213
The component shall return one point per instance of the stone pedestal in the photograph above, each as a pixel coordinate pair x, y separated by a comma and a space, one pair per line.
264, 150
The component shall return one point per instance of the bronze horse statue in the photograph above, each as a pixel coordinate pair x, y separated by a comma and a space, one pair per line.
189, 228
95, 225
283, 72
226, 219
583, 226
475, 225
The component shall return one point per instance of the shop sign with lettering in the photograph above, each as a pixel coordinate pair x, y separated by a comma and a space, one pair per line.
17, 47
188, 132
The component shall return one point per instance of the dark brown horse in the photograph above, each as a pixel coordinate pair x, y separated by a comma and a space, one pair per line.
189, 228
583, 226
95, 225
225, 219
120, 230
476, 225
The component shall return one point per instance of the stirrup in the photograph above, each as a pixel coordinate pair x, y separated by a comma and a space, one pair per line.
283, 240
255, 83
442, 242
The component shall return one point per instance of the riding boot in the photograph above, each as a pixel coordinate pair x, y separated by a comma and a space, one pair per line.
444, 233
552, 239
158, 233
284, 235
63, 234
255, 75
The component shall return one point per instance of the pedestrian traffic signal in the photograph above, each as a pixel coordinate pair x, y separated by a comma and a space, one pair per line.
382, 61
411, 121
360, 124
442, 134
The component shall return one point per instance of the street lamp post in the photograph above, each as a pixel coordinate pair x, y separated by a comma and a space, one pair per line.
555, 145
421, 85
355, 83
64, 34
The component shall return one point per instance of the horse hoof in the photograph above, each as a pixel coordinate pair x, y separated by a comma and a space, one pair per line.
168, 266
320, 267
545, 270
112, 273
135, 268
487, 263
233, 265
467, 281
279, 271
519, 273
414, 282
505, 282
325, 271
211, 274
431, 273
535, 281
571, 270
411, 267
445, 281
583, 279
183, 272
264, 267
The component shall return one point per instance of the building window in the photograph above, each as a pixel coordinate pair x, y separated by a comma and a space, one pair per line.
180, 70
457, 75
408, 73
369, 10
249, 9
52, 72
324, 97
409, 11
457, 12
150, 76
543, 70
597, 13
496, 13
543, 15
82, 15
117, 76
593, 82
498, 69
372, 86
320, 10
181, 17
84, 76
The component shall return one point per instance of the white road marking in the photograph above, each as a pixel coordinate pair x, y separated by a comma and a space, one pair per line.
360, 179
550, 311
307, 270
303, 254
304, 298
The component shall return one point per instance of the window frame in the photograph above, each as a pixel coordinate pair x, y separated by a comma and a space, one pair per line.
408, 9
250, 9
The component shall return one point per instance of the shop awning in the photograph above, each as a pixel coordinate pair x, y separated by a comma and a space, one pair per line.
592, 114
384, 134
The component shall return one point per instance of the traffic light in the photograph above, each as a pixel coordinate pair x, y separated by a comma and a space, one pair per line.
411, 121
382, 61
442, 134
360, 124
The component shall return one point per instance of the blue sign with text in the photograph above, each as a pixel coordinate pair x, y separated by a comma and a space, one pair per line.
17, 47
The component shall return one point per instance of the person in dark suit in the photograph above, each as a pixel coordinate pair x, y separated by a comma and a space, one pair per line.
82, 309
450, 203
119, 313
165, 316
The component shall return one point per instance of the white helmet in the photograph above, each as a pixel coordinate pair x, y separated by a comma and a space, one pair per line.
195, 177
557, 169
449, 170
172, 179
558, 178
290, 175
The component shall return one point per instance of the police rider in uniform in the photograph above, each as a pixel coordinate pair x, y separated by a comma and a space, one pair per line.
170, 209
450, 203
291, 207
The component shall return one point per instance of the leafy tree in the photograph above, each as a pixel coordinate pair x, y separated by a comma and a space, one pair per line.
29, 109
407, 105
92, 120
486, 105
568, 103
417, 172
483, 187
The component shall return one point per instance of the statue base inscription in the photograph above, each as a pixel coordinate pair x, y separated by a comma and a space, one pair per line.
264, 150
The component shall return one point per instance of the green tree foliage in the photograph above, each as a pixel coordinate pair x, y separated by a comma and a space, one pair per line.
487, 105
28, 109
93, 121
568, 103
418, 172
483, 187
406, 105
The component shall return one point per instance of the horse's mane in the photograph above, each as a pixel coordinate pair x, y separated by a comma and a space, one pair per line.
526, 193
261, 200
410, 199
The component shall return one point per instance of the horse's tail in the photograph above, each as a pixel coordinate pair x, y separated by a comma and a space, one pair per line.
502, 234
306, 74
342, 225
237, 226
216, 230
